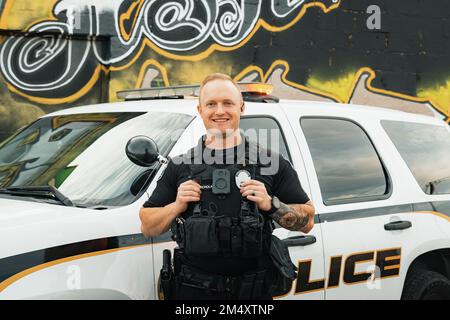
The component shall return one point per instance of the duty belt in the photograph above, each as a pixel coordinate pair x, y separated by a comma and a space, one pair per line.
248, 286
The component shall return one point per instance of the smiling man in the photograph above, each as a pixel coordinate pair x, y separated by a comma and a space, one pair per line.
221, 206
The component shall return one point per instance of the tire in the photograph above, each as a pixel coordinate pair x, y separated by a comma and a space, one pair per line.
426, 285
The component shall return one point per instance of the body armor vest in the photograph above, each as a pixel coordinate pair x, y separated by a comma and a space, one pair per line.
222, 223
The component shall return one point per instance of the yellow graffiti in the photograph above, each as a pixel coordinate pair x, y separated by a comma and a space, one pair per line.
4, 14
12, 17
72, 151
440, 95
422, 99
87, 87
31, 138
60, 121
123, 81
162, 70
217, 47
187, 73
341, 90
9, 173
126, 16
195, 72
13, 11
285, 65
22, 14
14, 114
342, 87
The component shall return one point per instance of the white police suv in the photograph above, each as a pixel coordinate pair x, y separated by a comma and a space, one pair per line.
379, 179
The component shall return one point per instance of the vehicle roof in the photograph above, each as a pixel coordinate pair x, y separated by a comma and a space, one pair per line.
189, 106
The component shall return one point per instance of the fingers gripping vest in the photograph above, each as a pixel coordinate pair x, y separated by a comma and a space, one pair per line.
222, 223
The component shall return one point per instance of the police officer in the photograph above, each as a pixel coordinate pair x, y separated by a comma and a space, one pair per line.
224, 236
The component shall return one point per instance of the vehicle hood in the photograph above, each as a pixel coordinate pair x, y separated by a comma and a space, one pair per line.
14, 213
27, 226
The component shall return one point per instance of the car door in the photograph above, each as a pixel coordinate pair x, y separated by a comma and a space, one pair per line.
366, 228
306, 251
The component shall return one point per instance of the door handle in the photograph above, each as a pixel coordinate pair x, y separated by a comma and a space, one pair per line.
397, 225
299, 241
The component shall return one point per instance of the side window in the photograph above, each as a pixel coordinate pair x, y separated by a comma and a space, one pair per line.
267, 132
347, 166
425, 149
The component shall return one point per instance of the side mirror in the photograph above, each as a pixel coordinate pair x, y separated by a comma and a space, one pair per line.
143, 151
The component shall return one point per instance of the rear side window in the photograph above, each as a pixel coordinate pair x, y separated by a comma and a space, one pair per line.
347, 165
426, 150
267, 132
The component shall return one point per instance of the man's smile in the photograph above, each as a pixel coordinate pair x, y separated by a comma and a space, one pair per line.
221, 120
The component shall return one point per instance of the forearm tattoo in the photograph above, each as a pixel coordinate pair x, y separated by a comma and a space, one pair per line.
289, 218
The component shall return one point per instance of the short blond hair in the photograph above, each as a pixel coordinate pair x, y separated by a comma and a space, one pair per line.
217, 76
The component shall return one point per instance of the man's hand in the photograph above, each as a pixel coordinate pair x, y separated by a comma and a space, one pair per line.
256, 191
157, 220
188, 191
294, 217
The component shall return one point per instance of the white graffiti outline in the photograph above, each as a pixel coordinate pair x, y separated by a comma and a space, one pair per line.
197, 41
225, 26
11, 77
227, 21
205, 29
290, 4
29, 46
238, 37
179, 11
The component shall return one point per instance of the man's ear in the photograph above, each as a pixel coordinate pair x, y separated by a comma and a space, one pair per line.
199, 108
242, 107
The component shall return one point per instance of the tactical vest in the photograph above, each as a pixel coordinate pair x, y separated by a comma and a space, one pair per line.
222, 223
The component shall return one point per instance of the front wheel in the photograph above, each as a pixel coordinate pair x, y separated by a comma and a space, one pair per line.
426, 285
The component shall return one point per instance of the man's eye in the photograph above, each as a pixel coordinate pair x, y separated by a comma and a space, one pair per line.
210, 104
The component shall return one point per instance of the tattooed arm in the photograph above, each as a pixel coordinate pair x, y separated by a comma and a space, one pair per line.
295, 217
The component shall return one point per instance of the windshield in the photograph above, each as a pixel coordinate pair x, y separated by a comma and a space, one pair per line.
83, 155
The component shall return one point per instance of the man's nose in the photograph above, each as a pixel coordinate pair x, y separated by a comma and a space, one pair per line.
220, 109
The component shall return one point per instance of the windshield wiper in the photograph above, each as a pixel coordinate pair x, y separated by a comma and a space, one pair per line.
39, 191
431, 186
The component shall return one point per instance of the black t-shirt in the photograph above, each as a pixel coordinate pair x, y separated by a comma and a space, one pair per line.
283, 183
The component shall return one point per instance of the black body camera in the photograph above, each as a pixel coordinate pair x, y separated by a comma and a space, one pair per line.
221, 181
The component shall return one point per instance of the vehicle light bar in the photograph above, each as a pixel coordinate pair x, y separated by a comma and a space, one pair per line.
257, 87
159, 92
186, 90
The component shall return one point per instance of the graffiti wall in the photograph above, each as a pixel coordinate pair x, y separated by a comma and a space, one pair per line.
57, 54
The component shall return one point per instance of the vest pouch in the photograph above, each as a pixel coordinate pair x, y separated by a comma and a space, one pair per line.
252, 240
285, 270
236, 238
225, 224
193, 283
201, 236
281, 259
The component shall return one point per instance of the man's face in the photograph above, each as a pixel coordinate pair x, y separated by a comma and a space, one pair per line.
220, 106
